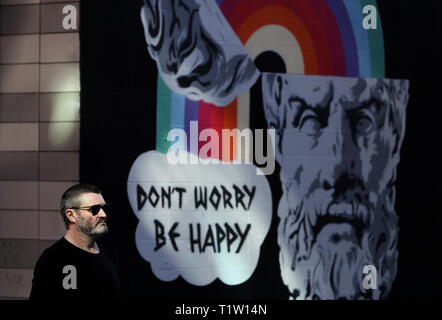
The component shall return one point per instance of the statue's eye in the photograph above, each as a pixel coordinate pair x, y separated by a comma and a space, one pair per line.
309, 123
364, 124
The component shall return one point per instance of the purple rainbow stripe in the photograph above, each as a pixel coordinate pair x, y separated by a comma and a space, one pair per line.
191, 114
348, 40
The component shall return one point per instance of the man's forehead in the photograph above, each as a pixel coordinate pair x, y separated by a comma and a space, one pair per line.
91, 198
317, 90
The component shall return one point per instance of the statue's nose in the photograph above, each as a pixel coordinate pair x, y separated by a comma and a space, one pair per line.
343, 155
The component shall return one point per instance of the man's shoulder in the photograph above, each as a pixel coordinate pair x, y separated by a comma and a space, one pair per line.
54, 250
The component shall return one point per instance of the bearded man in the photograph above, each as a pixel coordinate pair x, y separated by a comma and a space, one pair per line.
338, 144
74, 266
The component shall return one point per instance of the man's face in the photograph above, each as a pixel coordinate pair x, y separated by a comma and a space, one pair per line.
87, 223
338, 151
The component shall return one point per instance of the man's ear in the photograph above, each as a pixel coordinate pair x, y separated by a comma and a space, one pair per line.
70, 215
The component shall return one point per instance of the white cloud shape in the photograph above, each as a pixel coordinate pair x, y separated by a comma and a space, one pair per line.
180, 236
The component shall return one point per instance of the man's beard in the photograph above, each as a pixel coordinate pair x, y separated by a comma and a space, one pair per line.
325, 259
92, 230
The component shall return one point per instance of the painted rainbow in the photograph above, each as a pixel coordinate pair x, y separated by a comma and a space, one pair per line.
317, 37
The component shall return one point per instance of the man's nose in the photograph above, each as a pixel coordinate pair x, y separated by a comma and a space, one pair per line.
101, 213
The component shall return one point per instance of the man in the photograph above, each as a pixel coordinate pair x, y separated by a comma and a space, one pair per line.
74, 266
338, 144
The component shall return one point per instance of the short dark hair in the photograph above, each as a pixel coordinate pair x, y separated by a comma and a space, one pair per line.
71, 198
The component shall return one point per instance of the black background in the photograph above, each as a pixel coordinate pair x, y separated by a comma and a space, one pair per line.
118, 103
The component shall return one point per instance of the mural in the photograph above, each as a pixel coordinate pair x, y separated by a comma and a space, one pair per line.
338, 145
199, 221
196, 51
339, 127
195, 42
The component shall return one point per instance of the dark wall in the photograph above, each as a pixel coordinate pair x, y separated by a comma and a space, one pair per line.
412, 33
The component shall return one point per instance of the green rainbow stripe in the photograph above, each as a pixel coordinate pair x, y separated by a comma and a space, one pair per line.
376, 40
164, 98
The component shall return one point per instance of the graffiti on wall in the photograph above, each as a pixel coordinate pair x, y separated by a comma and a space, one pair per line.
338, 145
338, 123
199, 221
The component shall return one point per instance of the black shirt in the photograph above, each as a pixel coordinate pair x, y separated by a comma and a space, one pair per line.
66, 271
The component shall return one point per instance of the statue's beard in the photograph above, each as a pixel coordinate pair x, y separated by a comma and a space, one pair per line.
326, 261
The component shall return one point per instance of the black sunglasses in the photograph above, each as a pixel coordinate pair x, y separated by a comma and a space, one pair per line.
95, 209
